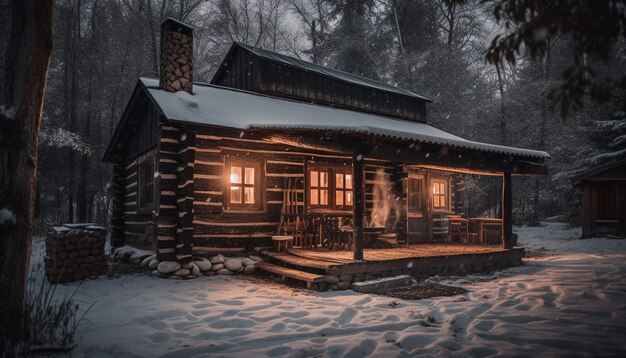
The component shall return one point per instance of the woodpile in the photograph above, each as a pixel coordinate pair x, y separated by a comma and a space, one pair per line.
176, 57
75, 252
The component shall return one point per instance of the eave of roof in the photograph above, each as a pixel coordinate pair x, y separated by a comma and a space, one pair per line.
598, 169
226, 107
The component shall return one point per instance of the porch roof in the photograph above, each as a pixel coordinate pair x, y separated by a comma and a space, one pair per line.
226, 107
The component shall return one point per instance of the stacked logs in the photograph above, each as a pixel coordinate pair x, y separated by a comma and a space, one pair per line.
75, 252
176, 57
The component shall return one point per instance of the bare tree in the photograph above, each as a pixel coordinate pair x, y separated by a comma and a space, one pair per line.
28, 58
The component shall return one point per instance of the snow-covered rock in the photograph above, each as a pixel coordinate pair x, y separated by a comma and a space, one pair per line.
217, 267
203, 264
146, 261
182, 272
153, 264
168, 266
195, 270
246, 261
219, 259
138, 256
233, 264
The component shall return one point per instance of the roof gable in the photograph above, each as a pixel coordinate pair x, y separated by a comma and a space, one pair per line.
258, 70
328, 71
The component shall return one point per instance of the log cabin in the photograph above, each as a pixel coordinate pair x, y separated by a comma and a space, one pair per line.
604, 198
277, 145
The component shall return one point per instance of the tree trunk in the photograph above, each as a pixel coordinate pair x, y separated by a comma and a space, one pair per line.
542, 132
28, 57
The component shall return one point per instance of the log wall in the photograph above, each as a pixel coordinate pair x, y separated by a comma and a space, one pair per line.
137, 222
283, 166
215, 225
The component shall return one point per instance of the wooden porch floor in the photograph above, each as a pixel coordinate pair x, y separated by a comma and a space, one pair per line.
396, 253
311, 264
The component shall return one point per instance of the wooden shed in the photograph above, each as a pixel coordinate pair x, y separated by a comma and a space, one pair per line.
277, 145
604, 198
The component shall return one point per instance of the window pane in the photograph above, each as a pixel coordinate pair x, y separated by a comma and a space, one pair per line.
249, 176
442, 188
314, 197
248, 196
436, 201
442, 201
235, 175
324, 179
339, 197
349, 197
339, 180
435, 188
349, 181
235, 195
323, 197
314, 178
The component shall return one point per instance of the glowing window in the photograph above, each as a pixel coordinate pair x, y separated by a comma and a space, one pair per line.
244, 184
330, 187
440, 194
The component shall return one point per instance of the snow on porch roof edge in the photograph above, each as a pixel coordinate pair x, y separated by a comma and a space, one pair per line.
227, 107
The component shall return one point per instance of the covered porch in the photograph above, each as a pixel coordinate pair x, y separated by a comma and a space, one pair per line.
344, 235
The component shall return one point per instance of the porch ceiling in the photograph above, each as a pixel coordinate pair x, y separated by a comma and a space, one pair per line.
409, 152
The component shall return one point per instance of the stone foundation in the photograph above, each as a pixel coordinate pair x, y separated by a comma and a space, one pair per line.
75, 252
344, 282
199, 266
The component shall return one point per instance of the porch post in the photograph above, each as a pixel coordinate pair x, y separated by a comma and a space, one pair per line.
507, 211
359, 201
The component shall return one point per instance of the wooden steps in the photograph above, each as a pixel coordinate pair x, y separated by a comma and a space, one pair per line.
318, 256
298, 260
309, 278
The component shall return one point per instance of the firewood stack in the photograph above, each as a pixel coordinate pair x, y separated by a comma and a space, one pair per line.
176, 56
75, 252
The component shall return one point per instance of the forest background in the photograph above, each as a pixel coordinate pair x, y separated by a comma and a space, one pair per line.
101, 47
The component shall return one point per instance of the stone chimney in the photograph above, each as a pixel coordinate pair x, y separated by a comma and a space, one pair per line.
176, 56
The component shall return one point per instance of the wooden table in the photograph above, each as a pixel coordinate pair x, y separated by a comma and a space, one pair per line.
485, 223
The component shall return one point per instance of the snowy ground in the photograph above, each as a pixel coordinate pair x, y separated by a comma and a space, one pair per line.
569, 299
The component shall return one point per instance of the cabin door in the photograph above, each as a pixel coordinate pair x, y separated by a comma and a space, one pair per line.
417, 228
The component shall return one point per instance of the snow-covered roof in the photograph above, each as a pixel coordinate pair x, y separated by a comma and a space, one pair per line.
330, 72
226, 107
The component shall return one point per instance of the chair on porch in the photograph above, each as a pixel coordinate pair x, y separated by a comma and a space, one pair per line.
458, 229
336, 233
292, 221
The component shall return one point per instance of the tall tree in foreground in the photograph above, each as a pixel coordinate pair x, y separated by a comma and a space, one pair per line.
25, 72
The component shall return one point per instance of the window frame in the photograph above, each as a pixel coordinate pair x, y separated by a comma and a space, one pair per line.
332, 171
258, 185
445, 195
142, 173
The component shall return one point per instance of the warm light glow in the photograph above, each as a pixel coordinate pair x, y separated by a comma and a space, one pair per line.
235, 175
